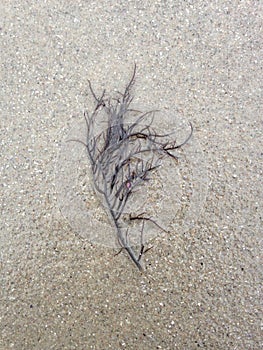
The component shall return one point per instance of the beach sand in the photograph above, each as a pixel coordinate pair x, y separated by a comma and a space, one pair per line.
201, 61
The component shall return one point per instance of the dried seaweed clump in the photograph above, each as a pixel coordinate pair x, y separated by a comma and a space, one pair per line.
123, 156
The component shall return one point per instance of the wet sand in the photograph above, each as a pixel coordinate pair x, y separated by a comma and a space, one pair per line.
201, 286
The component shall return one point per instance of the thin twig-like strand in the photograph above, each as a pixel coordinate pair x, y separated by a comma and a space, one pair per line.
119, 158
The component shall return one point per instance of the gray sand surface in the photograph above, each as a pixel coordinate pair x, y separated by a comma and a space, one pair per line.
202, 287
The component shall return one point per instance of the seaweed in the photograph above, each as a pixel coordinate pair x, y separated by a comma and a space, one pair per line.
123, 157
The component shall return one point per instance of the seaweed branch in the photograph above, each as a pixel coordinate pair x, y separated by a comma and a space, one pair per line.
123, 157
